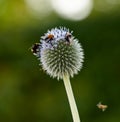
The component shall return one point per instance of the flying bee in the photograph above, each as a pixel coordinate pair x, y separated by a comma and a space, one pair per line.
101, 106
68, 37
35, 48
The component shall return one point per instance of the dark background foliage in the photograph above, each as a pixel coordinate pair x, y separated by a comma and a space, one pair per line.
27, 94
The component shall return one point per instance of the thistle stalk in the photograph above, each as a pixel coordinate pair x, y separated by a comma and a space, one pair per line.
71, 99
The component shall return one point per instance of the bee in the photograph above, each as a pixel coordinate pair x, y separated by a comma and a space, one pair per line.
49, 38
68, 37
35, 48
101, 106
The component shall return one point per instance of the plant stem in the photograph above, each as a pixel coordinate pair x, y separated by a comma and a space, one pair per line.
71, 99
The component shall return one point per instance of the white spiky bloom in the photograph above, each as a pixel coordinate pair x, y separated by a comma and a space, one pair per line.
58, 56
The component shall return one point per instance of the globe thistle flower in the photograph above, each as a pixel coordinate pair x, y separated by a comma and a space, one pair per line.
61, 56
59, 53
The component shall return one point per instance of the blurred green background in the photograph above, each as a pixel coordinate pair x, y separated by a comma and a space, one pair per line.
27, 94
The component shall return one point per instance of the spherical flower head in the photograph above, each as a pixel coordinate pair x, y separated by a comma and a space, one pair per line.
60, 53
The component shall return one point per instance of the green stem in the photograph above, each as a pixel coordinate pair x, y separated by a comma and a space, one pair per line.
71, 99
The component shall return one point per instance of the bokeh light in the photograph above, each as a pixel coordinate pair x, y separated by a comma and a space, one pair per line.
73, 9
